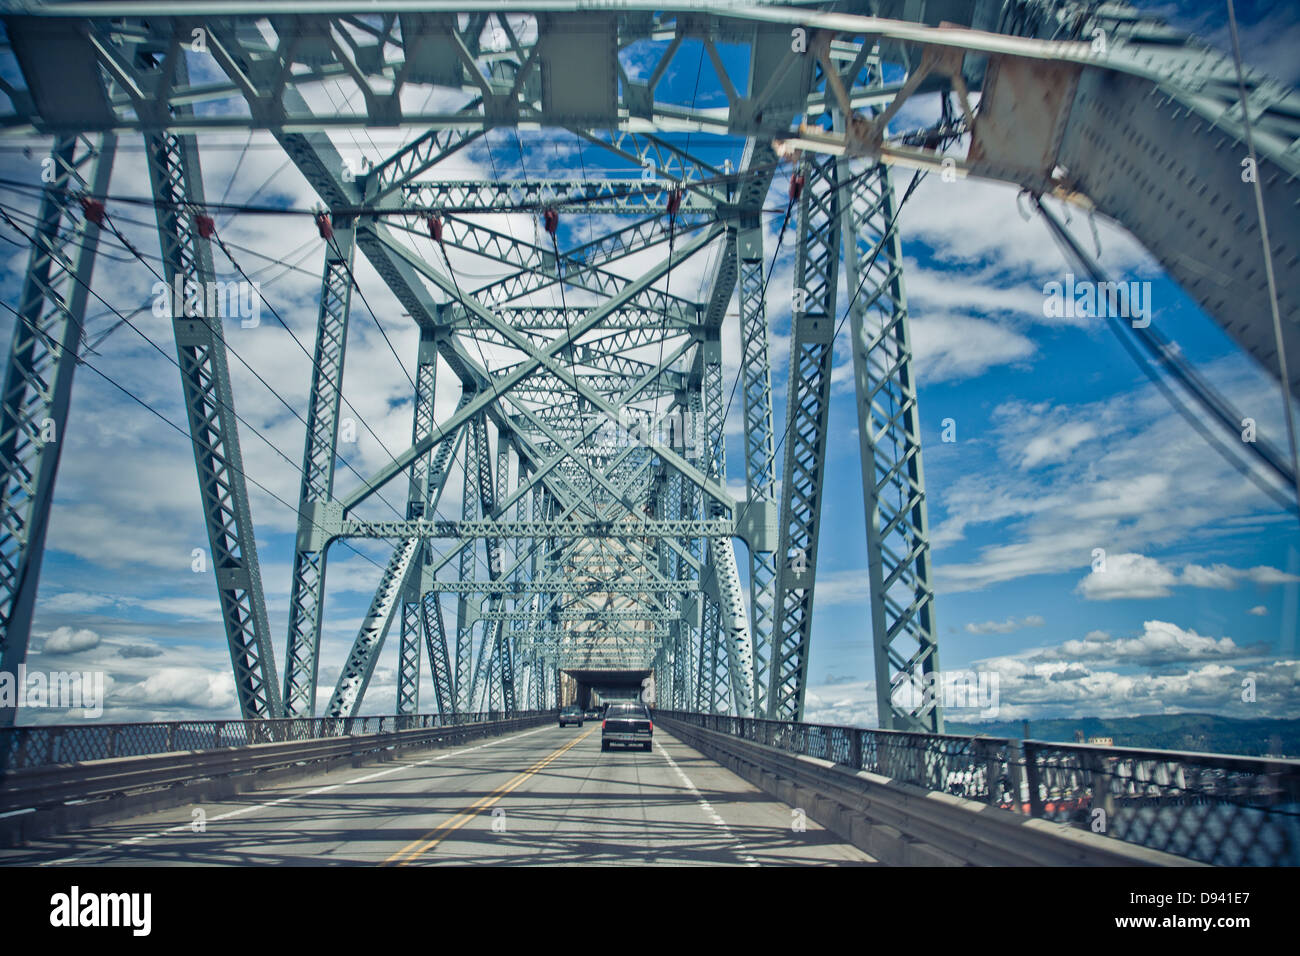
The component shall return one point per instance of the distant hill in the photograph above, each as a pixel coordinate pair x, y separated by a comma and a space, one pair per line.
1208, 733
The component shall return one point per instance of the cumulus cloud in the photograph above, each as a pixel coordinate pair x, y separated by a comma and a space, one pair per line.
1258, 610
953, 347
186, 687
1035, 495
1030, 689
1127, 575
1160, 641
68, 640
1132, 575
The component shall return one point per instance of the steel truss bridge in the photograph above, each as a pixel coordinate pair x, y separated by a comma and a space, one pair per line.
569, 547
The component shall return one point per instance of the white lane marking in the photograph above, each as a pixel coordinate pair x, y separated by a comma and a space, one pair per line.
708, 807
296, 796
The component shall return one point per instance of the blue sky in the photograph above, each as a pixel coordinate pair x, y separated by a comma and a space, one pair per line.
1062, 447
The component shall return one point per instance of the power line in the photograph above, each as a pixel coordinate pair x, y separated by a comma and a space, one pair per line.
81, 360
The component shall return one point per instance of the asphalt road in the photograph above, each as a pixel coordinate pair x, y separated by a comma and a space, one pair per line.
540, 797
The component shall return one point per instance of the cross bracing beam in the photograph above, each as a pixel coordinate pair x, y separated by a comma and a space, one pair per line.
804, 472
615, 615
590, 196
898, 546
307, 588
209, 404
470, 528
571, 588
635, 320
37, 392
548, 639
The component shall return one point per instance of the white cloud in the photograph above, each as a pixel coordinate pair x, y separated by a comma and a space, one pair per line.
953, 347
1258, 610
1138, 576
1216, 576
183, 687
1160, 641
1005, 627
68, 640
1127, 576
1056, 446
1143, 481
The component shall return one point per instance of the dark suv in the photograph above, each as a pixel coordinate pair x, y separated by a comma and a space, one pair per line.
626, 724
571, 715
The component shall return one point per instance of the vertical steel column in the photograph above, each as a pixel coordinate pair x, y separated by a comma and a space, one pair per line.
893, 484
808, 402
732, 622
469, 511
307, 590
210, 407
418, 505
38, 383
505, 659
480, 683
760, 458
408, 653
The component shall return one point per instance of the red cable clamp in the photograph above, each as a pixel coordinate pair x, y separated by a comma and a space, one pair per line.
551, 218
93, 210
324, 226
206, 226
796, 186
435, 229
674, 202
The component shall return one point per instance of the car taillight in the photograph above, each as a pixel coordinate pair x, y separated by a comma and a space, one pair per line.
652, 725
602, 724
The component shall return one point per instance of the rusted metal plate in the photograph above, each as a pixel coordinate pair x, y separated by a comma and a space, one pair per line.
1022, 116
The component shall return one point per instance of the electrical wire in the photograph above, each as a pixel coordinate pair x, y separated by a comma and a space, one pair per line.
54, 346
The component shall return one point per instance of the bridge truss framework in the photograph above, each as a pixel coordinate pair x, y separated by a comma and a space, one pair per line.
571, 547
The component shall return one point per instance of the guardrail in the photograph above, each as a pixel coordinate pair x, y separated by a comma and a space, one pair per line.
42, 745
1222, 810
46, 797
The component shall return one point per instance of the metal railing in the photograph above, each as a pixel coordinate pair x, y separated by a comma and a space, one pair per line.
23, 748
1223, 810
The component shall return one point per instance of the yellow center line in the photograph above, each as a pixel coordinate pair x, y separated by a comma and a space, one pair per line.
416, 848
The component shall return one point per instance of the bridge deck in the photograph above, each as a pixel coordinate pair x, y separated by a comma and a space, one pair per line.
561, 801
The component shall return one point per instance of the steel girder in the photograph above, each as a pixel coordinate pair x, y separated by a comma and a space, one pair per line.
408, 659
591, 196
38, 381
730, 619
562, 528
307, 590
418, 503
893, 484
470, 505
210, 409
817, 259
760, 457
360, 665
435, 637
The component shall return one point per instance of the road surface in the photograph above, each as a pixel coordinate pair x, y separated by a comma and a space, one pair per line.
544, 796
